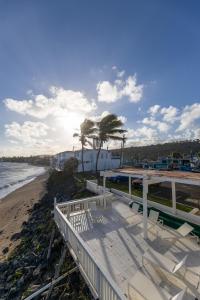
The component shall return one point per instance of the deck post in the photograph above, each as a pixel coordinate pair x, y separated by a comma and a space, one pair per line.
129, 185
173, 196
104, 184
145, 214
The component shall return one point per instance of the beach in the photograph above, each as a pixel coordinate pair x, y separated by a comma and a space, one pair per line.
14, 210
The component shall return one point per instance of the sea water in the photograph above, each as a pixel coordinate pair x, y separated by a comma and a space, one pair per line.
15, 175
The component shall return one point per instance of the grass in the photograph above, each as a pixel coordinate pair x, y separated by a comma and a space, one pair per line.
138, 192
82, 177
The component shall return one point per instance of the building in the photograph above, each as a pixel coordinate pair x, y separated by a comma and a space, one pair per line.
169, 163
106, 159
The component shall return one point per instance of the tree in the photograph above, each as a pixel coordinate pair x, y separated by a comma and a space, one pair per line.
108, 128
70, 166
87, 130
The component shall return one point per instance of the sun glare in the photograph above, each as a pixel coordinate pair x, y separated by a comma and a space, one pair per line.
71, 122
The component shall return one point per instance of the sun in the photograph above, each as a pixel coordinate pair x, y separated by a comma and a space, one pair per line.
71, 122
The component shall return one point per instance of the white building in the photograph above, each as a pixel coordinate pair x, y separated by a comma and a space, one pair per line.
106, 159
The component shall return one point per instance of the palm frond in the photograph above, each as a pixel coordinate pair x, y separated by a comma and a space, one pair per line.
75, 134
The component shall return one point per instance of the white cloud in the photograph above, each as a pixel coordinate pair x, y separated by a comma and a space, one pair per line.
104, 114
27, 133
189, 115
142, 136
153, 110
120, 73
59, 103
108, 92
169, 114
162, 126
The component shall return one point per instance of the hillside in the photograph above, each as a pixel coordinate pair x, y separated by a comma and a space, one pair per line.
152, 152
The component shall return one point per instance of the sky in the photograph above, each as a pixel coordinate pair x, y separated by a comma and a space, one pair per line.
64, 61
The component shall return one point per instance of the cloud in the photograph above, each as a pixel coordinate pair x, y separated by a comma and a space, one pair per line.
142, 136
189, 115
169, 114
162, 126
112, 92
153, 109
27, 133
59, 103
120, 73
107, 92
104, 114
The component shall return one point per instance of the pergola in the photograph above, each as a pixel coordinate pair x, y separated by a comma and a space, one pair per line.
151, 177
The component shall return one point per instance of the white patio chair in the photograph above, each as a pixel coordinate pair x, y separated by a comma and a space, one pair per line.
136, 207
164, 262
96, 215
183, 231
150, 290
154, 217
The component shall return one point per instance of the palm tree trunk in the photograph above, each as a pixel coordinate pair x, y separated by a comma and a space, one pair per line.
98, 156
82, 159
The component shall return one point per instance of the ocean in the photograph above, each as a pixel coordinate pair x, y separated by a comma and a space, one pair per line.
15, 175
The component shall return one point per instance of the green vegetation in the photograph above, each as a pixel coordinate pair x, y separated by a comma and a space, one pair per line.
39, 160
87, 130
81, 178
138, 192
152, 152
109, 128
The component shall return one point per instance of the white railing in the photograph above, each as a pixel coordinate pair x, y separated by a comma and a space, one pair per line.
99, 280
102, 201
92, 186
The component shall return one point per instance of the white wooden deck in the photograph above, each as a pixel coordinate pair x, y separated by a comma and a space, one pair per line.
117, 244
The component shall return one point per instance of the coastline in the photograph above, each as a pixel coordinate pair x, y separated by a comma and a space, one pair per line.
14, 210
12, 186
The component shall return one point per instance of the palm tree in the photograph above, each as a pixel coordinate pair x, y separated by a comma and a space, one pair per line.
108, 128
87, 129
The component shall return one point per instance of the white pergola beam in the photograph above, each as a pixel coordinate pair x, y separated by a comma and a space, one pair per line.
104, 184
145, 211
129, 186
173, 196
154, 178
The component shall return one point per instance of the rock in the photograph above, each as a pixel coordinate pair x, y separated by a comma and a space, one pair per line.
9, 278
3, 266
16, 236
37, 271
15, 263
13, 291
5, 250
20, 282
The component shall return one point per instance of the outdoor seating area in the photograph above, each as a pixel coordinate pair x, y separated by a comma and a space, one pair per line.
133, 267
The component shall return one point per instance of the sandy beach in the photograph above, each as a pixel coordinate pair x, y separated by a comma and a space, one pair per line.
14, 211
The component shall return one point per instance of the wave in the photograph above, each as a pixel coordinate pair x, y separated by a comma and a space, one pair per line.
8, 185
16, 176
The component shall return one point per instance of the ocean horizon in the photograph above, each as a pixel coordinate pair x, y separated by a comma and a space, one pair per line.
16, 175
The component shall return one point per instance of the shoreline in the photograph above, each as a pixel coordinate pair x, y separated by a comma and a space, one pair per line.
10, 188
14, 210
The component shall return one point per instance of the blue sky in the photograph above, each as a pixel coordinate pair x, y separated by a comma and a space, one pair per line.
138, 59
